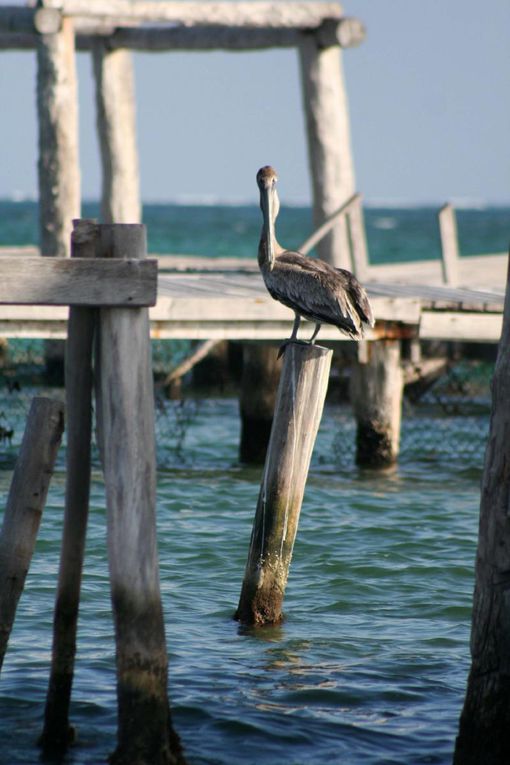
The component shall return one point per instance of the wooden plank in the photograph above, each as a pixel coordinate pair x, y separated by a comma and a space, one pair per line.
80, 281
447, 325
298, 15
449, 244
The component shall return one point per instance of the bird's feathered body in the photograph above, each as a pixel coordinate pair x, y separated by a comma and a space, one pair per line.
312, 288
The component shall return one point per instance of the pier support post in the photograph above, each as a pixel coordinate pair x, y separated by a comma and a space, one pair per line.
25, 504
57, 734
484, 731
329, 143
125, 410
58, 166
376, 396
259, 383
116, 125
298, 411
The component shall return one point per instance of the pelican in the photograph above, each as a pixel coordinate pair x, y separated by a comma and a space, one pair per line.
312, 288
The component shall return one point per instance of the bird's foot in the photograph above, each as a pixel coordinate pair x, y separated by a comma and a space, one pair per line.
291, 340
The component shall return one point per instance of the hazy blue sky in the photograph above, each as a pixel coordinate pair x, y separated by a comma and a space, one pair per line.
429, 94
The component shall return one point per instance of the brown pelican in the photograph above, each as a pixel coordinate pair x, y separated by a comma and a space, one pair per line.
312, 288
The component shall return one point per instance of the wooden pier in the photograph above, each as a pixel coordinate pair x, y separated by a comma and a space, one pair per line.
201, 298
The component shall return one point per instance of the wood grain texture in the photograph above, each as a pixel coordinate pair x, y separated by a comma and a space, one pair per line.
25, 504
125, 411
80, 281
329, 143
57, 733
298, 411
58, 163
484, 731
116, 127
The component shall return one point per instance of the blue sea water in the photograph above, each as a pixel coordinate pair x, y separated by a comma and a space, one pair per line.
369, 666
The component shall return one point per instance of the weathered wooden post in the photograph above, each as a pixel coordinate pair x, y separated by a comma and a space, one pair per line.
58, 166
261, 372
298, 410
25, 504
484, 732
329, 142
449, 245
57, 733
116, 125
376, 396
125, 411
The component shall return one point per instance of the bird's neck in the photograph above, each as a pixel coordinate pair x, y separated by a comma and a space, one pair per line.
263, 254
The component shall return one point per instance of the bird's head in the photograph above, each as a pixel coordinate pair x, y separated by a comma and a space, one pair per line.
270, 205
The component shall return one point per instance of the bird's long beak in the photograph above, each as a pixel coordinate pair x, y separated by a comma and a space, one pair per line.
268, 206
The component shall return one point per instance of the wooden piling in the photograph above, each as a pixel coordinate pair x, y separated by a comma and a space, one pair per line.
25, 504
259, 383
329, 142
449, 245
125, 410
484, 731
376, 396
58, 165
57, 733
116, 126
299, 404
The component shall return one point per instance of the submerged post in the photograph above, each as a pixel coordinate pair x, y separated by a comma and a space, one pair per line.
25, 504
376, 396
484, 732
125, 411
329, 142
298, 411
57, 733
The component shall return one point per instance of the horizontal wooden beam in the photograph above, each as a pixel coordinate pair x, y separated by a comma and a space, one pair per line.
299, 15
80, 281
465, 326
18, 19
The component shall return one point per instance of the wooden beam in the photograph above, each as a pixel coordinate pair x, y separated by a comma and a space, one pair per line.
14, 18
462, 325
299, 15
346, 33
82, 281
449, 245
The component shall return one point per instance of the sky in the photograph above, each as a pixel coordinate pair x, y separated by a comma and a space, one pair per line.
429, 102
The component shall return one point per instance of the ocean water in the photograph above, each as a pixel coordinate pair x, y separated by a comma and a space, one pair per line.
370, 664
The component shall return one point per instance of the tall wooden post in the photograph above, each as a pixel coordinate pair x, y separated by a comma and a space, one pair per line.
261, 372
329, 142
116, 125
58, 166
376, 395
449, 245
125, 410
298, 411
484, 733
25, 504
57, 734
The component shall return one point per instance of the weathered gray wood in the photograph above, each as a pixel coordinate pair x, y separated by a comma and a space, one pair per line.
346, 32
58, 165
484, 732
21, 20
449, 245
38, 281
259, 384
303, 15
329, 143
358, 240
328, 224
301, 394
25, 504
57, 733
125, 410
116, 126
376, 396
